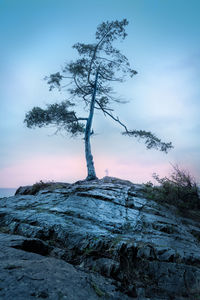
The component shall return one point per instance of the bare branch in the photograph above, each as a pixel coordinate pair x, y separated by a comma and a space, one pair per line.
78, 86
81, 119
116, 119
94, 54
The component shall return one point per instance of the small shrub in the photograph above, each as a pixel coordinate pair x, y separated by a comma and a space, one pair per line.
179, 189
38, 186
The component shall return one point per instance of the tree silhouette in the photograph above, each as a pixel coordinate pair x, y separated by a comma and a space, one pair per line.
89, 79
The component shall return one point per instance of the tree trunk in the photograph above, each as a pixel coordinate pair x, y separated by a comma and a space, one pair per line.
88, 154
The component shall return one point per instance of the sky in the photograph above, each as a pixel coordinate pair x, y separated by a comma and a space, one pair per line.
163, 45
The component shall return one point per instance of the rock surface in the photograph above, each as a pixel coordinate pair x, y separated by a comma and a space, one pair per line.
123, 245
26, 275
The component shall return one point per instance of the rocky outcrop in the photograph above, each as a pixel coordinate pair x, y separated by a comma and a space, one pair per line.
25, 275
109, 230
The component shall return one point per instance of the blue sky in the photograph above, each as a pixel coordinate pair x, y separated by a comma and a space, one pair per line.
163, 45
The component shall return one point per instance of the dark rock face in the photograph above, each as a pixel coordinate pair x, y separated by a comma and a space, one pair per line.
26, 275
107, 229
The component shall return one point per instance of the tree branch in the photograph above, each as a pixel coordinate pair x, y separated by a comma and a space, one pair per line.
79, 87
94, 54
110, 79
151, 140
116, 119
81, 119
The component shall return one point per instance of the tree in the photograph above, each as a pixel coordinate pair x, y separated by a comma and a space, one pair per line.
89, 79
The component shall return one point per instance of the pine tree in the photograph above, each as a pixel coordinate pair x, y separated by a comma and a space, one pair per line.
90, 79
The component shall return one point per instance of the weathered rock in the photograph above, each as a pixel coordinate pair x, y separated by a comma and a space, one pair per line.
25, 190
35, 188
109, 228
26, 275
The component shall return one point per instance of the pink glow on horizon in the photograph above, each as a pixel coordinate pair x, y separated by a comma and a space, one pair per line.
48, 168
71, 169
135, 171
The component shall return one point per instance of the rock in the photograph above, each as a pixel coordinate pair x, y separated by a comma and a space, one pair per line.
39, 186
108, 228
25, 190
26, 275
